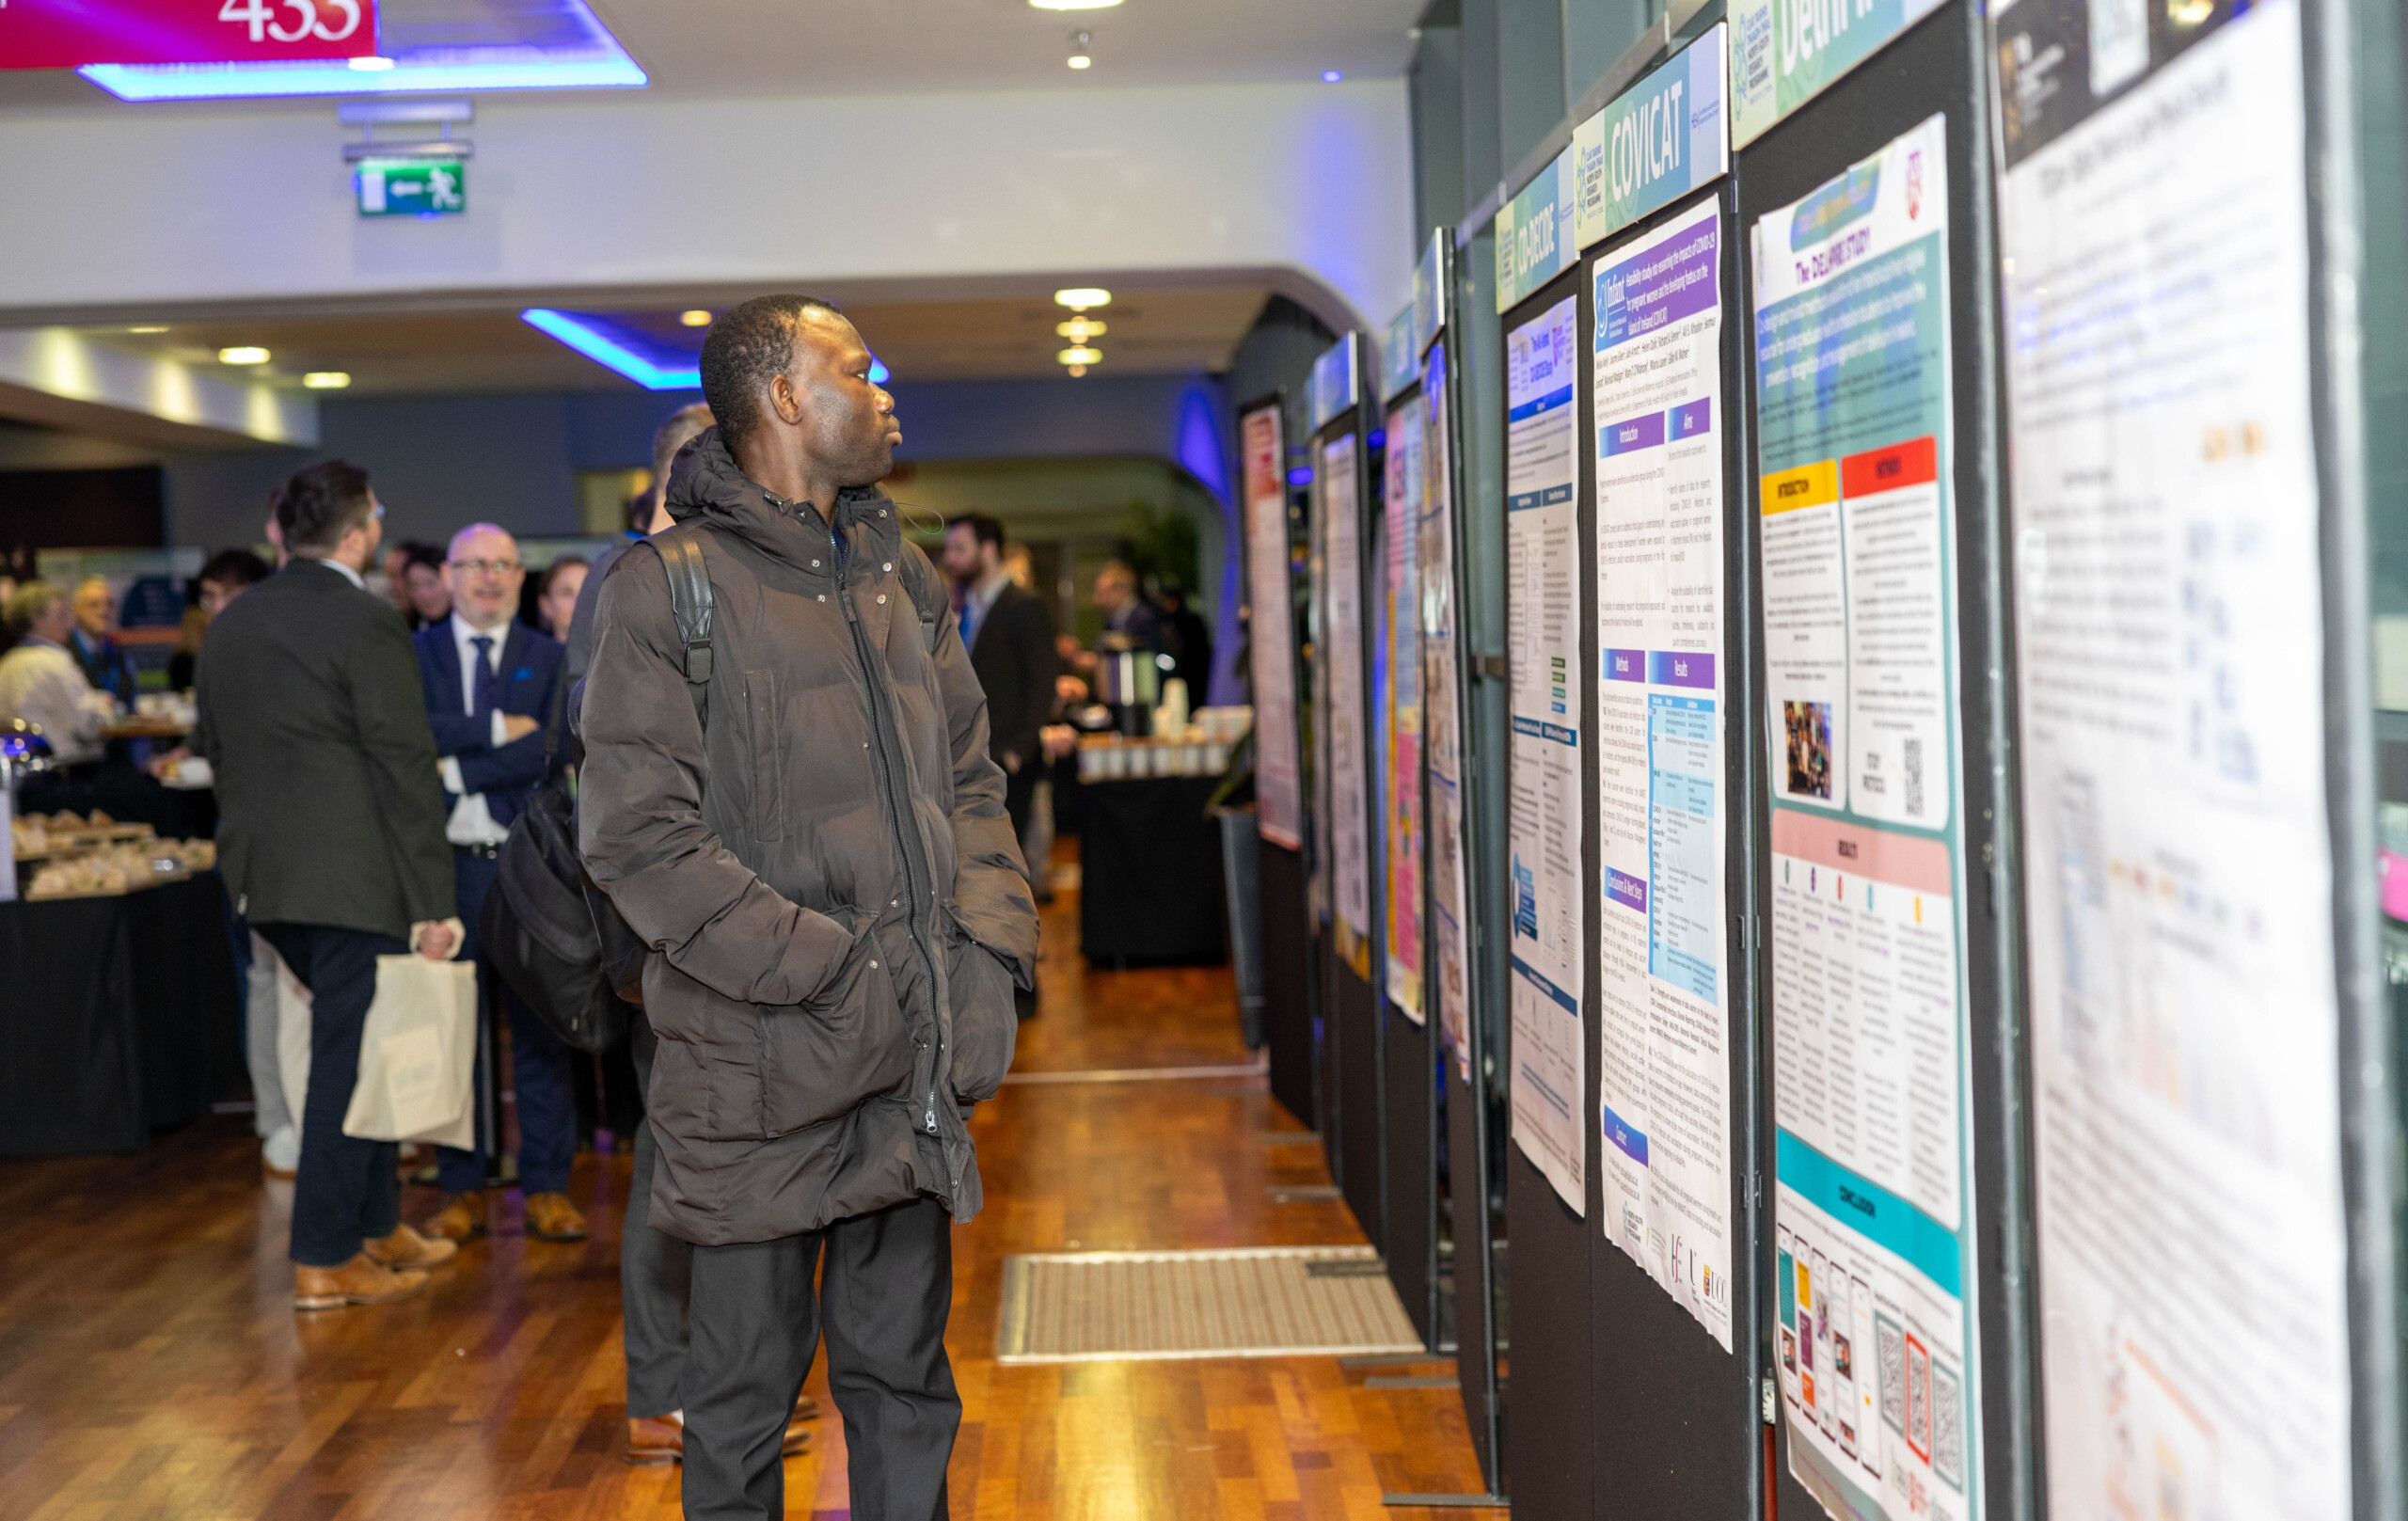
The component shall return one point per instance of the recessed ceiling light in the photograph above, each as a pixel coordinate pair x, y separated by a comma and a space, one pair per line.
326, 379
696, 318
1077, 371
1079, 42
1080, 297
1074, 4
1080, 60
1331, 76
1079, 329
148, 328
241, 354
1080, 355
371, 64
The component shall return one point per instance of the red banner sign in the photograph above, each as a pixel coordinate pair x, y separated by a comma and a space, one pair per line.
68, 34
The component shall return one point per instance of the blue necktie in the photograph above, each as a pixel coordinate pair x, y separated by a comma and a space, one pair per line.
488, 697
969, 618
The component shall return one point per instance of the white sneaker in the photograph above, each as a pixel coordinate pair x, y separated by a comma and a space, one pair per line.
281, 1153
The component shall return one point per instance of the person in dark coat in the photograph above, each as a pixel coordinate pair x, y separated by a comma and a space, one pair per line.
330, 837
489, 682
1009, 634
811, 839
105, 662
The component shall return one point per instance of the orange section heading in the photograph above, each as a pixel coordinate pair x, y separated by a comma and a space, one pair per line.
1809, 486
1915, 462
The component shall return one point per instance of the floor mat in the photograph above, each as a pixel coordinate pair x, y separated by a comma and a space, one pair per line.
1257, 1302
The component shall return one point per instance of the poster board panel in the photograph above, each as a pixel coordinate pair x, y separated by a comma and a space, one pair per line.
2186, 1136
1279, 781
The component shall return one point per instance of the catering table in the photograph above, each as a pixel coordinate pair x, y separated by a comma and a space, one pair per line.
1149, 867
117, 1015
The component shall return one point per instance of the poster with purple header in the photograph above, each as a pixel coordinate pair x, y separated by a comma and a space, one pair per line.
1664, 1066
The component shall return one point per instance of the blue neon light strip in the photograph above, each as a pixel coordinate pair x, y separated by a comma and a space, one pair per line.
524, 68
678, 372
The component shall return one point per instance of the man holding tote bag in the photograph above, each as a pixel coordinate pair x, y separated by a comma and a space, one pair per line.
330, 836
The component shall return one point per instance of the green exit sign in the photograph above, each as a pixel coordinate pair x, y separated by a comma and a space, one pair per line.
412, 187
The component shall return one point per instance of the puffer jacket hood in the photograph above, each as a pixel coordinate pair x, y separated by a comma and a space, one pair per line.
814, 844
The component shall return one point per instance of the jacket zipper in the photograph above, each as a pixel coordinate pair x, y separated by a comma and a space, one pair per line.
879, 719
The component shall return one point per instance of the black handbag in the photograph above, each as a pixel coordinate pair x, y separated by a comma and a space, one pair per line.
541, 929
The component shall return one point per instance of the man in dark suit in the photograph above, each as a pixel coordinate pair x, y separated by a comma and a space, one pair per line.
489, 682
1009, 634
330, 834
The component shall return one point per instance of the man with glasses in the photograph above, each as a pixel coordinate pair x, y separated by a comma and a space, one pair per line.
490, 682
330, 837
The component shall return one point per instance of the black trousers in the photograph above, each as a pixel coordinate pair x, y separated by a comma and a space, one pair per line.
348, 1190
1020, 795
654, 1269
882, 1298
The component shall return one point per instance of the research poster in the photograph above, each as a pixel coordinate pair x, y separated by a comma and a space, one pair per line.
1350, 863
1872, 1172
1543, 788
2168, 605
1663, 995
1442, 709
1279, 790
1400, 736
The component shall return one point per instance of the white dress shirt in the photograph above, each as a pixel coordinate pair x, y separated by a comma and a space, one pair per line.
471, 821
332, 563
41, 683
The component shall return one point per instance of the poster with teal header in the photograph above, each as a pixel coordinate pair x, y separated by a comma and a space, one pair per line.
1534, 240
1873, 1203
1784, 53
1660, 139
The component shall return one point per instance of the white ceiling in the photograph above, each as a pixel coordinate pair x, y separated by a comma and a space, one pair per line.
843, 47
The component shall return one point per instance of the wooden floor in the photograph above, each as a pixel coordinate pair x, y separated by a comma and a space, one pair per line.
152, 1364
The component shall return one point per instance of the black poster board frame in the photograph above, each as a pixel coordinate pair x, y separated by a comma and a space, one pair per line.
1355, 1063
1939, 66
1409, 1096
1678, 1423
1553, 1436
1290, 975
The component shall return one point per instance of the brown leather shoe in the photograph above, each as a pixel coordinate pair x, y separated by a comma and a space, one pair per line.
552, 1217
655, 1439
806, 1409
359, 1282
405, 1248
462, 1217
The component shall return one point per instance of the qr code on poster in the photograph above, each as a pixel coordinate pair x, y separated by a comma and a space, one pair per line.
1910, 753
1891, 1349
1947, 1427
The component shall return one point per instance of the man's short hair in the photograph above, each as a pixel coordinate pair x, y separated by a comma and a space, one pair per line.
745, 349
321, 504
417, 553
684, 425
987, 529
31, 600
233, 567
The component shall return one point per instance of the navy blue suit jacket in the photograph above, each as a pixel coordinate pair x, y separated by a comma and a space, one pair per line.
531, 673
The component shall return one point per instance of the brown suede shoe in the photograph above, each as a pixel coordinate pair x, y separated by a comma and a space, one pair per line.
405, 1248
359, 1282
806, 1409
552, 1217
462, 1217
654, 1439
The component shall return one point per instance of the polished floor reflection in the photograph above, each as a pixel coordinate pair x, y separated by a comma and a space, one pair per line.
151, 1365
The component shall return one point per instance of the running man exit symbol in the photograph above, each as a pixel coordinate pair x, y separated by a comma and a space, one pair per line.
412, 187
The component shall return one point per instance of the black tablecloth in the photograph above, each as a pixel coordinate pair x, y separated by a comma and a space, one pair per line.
117, 1015
1149, 865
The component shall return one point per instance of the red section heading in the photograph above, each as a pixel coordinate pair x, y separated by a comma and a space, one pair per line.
1914, 463
68, 34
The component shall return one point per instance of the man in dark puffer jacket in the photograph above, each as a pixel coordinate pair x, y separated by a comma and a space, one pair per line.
812, 840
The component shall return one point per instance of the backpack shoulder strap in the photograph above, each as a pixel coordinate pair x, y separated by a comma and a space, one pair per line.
919, 580
690, 599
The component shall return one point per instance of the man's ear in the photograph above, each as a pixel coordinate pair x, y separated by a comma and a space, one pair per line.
785, 400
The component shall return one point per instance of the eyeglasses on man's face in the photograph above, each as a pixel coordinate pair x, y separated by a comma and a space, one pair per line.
487, 567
